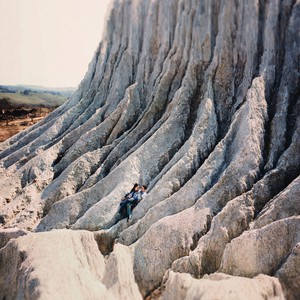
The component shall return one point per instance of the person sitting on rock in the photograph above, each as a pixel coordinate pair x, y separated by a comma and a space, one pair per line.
133, 195
134, 201
130, 194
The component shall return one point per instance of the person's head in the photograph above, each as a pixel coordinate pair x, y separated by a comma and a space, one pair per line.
144, 188
135, 188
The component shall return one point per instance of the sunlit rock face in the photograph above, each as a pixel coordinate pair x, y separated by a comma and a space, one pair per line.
200, 101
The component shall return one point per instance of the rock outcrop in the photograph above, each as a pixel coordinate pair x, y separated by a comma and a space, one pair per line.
199, 100
65, 264
220, 286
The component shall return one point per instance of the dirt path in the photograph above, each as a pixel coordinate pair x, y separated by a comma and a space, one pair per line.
10, 128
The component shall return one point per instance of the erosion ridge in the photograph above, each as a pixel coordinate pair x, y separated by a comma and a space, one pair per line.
200, 101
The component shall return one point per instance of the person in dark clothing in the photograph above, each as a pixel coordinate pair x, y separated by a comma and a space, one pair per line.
134, 201
129, 202
130, 196
135, 188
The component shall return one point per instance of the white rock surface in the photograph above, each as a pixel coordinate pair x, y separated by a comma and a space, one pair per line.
64, 265
289, 275
220, 286
7, 234
199, 100
261, 250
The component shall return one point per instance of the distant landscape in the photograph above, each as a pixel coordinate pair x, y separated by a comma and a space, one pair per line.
22, 106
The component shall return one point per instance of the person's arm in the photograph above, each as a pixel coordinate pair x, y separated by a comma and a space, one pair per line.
140, 196
126, 196
134, 197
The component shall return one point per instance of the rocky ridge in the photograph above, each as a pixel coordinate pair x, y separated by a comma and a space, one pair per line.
200, 101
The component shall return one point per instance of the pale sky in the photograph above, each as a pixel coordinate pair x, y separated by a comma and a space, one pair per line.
49, 42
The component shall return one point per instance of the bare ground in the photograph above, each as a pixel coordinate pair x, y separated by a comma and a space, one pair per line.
10, 128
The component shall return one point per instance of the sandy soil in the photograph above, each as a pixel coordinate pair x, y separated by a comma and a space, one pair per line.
10, 128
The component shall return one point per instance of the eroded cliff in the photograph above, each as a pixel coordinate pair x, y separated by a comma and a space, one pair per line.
200, 100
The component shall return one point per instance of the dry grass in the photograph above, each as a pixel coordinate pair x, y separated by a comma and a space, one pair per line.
34, 99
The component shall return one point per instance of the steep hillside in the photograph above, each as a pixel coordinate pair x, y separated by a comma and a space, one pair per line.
200, 101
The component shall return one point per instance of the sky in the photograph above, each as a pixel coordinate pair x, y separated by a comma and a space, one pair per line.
49, 42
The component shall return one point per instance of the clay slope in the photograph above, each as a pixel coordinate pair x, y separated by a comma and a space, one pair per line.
200, 100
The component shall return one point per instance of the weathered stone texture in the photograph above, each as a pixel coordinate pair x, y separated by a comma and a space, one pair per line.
200, 101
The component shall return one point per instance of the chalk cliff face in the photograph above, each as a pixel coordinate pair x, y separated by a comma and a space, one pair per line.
199, 100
